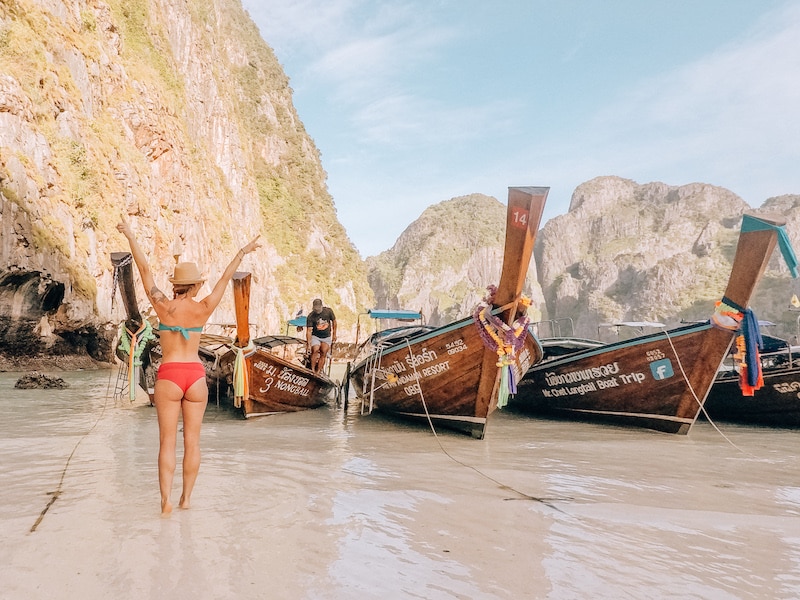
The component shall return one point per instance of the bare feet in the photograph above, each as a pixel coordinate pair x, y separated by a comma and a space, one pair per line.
184, 503
166, 507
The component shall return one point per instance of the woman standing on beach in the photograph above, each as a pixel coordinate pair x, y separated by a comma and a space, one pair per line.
180, 387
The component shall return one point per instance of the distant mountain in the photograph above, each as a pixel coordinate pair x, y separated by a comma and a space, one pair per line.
443, 262
652, 252
623, 252
638, 252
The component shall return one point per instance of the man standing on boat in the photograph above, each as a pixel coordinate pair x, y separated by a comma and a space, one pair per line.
320, 333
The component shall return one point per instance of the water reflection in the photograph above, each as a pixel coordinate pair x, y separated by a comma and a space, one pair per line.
325, 504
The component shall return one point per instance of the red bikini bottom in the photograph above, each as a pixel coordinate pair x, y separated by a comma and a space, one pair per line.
182, 374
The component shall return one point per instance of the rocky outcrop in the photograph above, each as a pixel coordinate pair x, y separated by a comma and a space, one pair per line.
178, 116
624, 252
652, 252
40, 381
443, 262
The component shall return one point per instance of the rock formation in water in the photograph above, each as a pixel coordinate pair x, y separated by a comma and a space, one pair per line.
177, 115
40, 381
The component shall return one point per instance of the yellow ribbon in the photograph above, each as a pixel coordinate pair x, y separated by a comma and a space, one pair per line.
241, 380
132, 362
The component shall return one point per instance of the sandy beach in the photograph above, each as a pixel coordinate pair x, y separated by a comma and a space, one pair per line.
326, 504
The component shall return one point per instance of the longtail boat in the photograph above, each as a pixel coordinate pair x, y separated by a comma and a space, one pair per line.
264, 372
657, 381
449, 374
139, 349
137, 338
776, 403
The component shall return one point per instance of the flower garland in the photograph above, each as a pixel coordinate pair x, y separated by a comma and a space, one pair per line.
504, 339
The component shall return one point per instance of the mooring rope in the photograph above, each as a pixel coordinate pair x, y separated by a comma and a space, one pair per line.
115, 279
694, 395
545, 501
57, 493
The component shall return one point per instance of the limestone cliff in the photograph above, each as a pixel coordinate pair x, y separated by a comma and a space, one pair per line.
623, 252
443, 262
652, 252
178, 115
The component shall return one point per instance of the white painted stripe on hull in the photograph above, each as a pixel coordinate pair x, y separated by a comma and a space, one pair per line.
628, 414
460, 419
264, 414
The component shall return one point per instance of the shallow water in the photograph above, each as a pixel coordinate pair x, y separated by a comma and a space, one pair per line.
326, 504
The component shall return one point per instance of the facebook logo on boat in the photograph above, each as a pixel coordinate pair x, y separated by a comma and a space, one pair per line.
661, 369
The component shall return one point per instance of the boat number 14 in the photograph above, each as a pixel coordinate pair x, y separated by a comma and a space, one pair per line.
520, 219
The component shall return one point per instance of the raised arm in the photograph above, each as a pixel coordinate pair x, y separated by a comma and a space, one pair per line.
213, 299
153, 293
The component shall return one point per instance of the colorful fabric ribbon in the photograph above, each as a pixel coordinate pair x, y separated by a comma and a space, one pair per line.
753, 342
504, 339
751, 223
241, 378
133, 344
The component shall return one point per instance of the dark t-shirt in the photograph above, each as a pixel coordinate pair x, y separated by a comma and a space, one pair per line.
320, 322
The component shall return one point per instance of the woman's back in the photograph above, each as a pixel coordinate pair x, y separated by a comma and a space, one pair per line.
181, 321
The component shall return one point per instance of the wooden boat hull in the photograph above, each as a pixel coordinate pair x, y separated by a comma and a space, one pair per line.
449, 375
639, 382
776, 404
658, 381
277, 385
123, 271
438, 376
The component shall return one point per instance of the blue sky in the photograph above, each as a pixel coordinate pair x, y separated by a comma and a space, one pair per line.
412, 102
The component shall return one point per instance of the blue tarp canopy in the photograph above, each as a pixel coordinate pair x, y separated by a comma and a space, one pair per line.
403, 315
298, 322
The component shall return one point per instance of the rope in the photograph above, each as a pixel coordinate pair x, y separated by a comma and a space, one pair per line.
57, 493
504, 486
694, 394
241, 379
115, 281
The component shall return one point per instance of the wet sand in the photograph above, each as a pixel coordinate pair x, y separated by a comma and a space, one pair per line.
329, 505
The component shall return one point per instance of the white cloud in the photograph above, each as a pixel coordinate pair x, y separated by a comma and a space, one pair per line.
368, 63
401, 140
735, 110
412, 121
302, 27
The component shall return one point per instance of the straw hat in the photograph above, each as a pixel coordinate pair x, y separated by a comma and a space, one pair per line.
186, 273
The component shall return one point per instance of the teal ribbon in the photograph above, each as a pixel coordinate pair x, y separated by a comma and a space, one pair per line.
502, 392
751, 223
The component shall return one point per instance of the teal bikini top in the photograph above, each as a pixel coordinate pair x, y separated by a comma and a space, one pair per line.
184, 331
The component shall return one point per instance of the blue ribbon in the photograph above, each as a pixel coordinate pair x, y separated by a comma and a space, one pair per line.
751, 223
752, 341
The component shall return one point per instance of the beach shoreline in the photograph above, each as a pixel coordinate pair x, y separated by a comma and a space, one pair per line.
328, 504
44, 363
